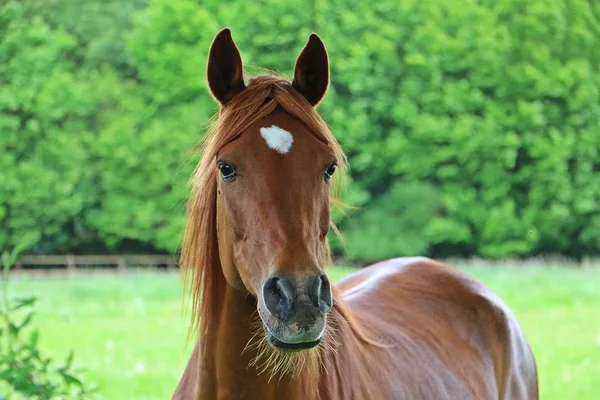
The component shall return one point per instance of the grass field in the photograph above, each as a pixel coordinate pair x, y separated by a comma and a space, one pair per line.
129, 331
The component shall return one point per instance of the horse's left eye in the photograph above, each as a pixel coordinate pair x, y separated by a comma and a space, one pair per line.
329, 171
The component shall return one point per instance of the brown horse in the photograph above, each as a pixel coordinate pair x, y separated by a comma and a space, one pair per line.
271, 325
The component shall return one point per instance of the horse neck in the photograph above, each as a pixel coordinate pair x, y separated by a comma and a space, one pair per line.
349, 360
225, 370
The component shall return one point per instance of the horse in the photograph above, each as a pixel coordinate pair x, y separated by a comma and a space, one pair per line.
269, 323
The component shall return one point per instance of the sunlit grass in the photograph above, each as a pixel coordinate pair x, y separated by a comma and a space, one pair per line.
130, 331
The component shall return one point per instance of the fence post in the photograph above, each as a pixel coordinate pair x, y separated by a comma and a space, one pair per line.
71, 264
121, 265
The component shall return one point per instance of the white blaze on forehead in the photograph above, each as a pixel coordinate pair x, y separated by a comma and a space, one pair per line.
278, 139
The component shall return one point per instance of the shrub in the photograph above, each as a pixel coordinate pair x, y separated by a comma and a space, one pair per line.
494, 106
24, 372
44, 132
410, 206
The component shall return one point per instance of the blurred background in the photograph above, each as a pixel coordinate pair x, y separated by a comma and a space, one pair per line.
472, 130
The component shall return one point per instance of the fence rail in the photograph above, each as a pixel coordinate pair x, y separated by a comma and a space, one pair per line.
71, 262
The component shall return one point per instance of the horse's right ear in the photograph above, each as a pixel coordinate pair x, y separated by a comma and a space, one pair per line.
225, 73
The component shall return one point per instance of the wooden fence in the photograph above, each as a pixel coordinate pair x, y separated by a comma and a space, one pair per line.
72, 262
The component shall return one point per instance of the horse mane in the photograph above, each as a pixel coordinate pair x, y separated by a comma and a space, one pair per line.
199, 254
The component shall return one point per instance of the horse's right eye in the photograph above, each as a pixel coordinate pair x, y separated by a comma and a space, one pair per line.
228, 172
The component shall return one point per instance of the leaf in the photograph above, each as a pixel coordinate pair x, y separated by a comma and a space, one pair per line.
33, 339
23, 302
8, 259
13, 329
70, 379
69, 360
26, 320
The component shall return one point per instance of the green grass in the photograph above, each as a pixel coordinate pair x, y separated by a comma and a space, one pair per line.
129, 331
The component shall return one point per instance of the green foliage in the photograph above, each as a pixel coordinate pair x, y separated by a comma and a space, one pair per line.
98, 28
24, 372
494, 104
144, 150
493, 107
410, 205
140, 173
44, 131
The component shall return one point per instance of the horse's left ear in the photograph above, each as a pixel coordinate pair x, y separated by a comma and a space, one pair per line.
311, 74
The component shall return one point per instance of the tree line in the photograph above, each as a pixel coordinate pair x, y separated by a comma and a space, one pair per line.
472, 127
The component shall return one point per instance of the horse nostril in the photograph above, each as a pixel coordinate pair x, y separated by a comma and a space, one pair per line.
278, 295
322, 290
282, 301
285, 287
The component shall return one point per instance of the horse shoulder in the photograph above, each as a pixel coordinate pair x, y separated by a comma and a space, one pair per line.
491, 326
500, 334
440, 298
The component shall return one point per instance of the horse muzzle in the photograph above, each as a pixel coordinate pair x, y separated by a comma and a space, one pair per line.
294, 310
